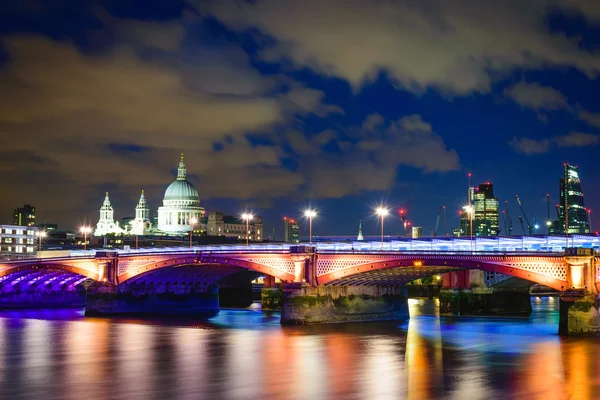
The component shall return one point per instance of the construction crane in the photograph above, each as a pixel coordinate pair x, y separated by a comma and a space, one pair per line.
507, 220
445, 222
403, 215
437, 222
530, 227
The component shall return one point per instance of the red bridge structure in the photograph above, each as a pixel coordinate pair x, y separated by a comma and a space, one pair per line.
324, 286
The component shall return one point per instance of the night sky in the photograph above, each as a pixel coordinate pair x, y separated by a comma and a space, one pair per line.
279, 105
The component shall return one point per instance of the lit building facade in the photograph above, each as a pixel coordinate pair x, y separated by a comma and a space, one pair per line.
291, 232
24, 216
181, 205
106, 224
485, 211
141, 224
464, 228
17, 241
572, 214
218, 224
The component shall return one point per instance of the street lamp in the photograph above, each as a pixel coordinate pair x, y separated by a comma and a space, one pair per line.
247, 217
310, 214
382, 212
85, 230
469, 211
40, 235
193, 221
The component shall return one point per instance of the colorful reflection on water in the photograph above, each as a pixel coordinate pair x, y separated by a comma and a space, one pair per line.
245, 354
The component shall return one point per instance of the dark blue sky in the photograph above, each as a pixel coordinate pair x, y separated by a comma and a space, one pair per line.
279, 105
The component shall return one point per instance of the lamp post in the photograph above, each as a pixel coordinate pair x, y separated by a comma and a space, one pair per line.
85, 230
382, 212
469, 210
247, 217
310, 214
40, 235
193, 221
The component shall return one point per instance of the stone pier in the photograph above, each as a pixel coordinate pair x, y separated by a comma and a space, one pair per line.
107, 299
485, 302
304, 304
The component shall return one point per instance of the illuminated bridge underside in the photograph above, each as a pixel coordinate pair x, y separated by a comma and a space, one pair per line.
342, 269
184, 277
40, 280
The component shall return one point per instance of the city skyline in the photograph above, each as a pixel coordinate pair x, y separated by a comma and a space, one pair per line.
104, 98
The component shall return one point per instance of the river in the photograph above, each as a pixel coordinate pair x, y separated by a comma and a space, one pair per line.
246, 354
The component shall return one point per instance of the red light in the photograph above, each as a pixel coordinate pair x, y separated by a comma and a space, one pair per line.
284, 218
469, 174
292, 221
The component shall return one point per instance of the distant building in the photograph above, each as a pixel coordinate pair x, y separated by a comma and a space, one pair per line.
24, 216
47, 227
106, 224
17, 241
465, 219
417, 232
141, 224
360, 236
181, 205
572, 214
485, 208
218, 224
290, 230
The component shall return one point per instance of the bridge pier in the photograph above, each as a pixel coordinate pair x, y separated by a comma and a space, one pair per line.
108, 299
485, 302
305, 304
579, 305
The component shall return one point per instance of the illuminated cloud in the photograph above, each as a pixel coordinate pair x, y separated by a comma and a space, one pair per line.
574, 139
536, 96
458, 47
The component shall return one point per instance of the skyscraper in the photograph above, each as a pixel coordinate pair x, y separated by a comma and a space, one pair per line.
290, 230
572, 214
24, 216
485, 207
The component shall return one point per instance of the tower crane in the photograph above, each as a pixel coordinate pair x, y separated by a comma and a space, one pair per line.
530, 227
507, 220
403, 215
437, 222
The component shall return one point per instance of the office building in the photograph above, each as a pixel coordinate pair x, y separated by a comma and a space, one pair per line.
485, 211
17, 241
572, 214
290, 230
24, 216
218, 224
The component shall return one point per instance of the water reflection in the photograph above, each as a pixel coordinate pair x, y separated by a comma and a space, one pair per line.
59, 354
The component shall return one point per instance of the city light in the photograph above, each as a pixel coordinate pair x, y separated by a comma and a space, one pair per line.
40, 235
382, 212
247, 217
310, 214
85, 230
193, 221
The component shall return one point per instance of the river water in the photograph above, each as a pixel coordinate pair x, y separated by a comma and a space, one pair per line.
246, 354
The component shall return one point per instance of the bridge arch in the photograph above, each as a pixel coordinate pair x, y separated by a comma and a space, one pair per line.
50, 266
414, 267
229, 264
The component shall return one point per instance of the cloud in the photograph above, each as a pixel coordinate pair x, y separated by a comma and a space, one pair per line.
458, 47
367, 158
592, 119
536, 96
532, 146
68, 110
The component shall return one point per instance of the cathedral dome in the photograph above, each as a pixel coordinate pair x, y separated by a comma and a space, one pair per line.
182, 190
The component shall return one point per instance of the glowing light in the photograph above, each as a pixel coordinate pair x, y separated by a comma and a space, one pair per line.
438, 277
247, 216
468, 209
382, 212
549, 223
193, 221
85, 229
418, 263
310, 213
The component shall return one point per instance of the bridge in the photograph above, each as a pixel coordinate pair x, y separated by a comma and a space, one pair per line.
352, 271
